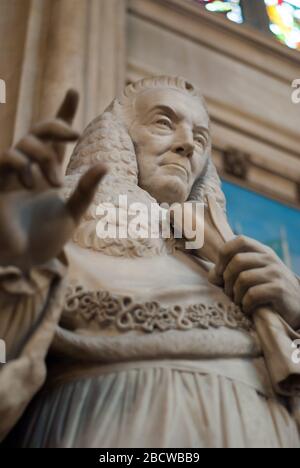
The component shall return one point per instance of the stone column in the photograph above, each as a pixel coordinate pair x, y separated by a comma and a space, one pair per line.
106, 65
58, 44
65, 57
53, 60
13, 20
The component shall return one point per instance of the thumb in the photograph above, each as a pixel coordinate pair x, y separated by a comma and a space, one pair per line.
84, 193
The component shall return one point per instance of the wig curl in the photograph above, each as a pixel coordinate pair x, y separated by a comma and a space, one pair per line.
107, 139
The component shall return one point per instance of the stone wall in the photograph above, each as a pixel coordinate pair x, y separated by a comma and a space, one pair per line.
48, 46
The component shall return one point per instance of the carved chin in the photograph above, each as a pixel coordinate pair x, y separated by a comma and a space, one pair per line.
171, 189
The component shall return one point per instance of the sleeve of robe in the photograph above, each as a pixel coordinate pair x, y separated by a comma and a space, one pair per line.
30, 308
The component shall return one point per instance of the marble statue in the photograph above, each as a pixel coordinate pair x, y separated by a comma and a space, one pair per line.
134, 342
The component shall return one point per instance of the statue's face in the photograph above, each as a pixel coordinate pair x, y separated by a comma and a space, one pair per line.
171, 135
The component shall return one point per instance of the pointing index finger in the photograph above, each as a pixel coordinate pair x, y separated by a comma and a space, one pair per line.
68, 108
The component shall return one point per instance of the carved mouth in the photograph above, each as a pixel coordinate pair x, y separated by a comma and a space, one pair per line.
179, 167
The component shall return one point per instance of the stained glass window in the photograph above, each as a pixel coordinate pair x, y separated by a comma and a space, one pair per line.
231, 8
285, 21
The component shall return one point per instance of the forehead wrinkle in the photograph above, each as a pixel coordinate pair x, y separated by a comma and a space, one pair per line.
177, 115
141, 109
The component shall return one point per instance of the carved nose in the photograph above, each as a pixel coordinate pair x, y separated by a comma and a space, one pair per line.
184, 149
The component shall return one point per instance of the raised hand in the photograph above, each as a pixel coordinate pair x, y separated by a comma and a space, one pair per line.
35, 221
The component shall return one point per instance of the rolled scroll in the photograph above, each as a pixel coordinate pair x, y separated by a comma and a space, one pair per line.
276, 336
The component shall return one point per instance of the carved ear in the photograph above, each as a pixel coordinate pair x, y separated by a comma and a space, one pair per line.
208, 183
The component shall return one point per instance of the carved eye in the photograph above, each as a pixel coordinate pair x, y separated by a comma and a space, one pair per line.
200, 140
164, 122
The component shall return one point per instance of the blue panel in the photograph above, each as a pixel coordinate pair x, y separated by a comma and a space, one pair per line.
266, 220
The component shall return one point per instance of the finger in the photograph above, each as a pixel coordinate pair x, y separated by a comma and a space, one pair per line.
239, 263
85, 191
238, 245
69, 106
66, 113
44, 156
258, 296
14, 161
248, 279
55, 130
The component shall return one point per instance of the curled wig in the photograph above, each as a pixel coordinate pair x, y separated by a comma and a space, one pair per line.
107, 139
